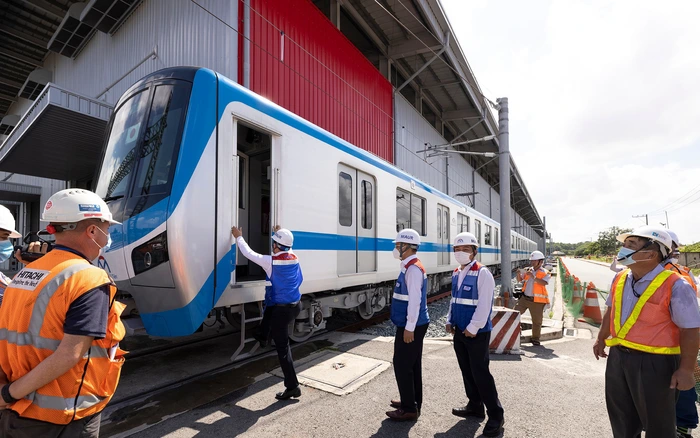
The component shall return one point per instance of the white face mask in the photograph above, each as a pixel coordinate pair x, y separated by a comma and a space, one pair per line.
463, 258
396, 254
674, 260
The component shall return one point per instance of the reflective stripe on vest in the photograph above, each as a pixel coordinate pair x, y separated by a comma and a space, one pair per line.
539, 291
464, 301
667, 330
683, 272
49, 285
398, 296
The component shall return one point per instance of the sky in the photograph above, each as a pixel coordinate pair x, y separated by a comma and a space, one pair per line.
604, 101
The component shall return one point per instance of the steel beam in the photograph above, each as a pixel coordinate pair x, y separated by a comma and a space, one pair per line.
23, 36
47, 7
360, 20
7, 97
19, 57
461, 114
10, 82
415, 46
424, 66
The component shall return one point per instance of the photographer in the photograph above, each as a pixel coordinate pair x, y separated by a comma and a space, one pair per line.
535, 280
7, 232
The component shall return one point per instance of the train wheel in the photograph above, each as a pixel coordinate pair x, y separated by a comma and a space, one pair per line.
296, 335
362, 311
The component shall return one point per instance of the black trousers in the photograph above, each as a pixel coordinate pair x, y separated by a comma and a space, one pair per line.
637, 393
473, 359
14, 426
408, 368
275, 325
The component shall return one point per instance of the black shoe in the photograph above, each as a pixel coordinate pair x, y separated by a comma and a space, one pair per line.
466, 412
289, 393
537, 343
493, 427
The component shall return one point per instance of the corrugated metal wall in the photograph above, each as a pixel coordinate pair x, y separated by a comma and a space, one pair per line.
183, 33
315, 72
413, 131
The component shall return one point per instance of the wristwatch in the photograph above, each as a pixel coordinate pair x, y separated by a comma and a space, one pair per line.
6, 394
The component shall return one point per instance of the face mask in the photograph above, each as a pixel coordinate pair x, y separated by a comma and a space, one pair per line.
463, 258
624, 256
6, 250
674, 260
397, 254
104, 249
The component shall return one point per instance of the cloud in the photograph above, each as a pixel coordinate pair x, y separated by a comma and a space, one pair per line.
603, 99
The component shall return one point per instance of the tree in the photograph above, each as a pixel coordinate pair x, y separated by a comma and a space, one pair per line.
588, 248
607, 240
695, 247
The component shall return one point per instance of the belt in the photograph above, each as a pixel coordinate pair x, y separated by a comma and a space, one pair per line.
629, 350
285, 305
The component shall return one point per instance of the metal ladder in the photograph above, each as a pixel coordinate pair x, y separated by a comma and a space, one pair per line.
237, 354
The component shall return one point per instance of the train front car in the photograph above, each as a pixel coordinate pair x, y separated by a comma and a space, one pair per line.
161, 145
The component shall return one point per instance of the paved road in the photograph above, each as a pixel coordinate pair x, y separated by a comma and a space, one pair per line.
587, 271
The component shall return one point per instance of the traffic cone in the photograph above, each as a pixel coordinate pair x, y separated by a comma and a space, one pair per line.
591, 309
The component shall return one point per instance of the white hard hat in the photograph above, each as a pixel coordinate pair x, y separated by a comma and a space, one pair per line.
466, 239
655, 234
674, 237
536, 255
408, 235
284, 237
7, 222
75, 205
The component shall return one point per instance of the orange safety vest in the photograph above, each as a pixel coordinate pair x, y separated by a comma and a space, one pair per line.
31, 328
683, 272
539, 290
649, 327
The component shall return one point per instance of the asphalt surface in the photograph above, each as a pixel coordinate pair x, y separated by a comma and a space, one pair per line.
589, 271
555, 390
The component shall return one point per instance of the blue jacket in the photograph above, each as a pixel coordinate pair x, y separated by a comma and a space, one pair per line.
399, 302
465, 297
285, 280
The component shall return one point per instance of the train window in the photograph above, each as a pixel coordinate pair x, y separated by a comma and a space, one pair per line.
477, 230
446, 226
410, 212
462, 222
512, 242
366, 205
487, 236
345, 199
418, 214
161, 140
439, 222
496, 242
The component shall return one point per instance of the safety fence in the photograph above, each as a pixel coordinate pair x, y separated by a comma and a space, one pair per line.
580, 298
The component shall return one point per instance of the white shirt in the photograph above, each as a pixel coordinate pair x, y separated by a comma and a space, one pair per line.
414, 284
264, 261
486, 286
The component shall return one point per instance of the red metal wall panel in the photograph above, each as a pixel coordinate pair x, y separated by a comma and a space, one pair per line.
300, 61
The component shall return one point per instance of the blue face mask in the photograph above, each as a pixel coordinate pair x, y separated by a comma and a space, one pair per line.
624, 256
6, 250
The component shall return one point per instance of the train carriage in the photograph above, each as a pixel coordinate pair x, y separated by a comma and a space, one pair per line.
190, 153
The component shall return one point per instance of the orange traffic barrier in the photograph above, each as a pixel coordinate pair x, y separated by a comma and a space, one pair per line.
591, 309
578, 295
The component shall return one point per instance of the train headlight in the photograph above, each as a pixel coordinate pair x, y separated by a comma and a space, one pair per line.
150, 254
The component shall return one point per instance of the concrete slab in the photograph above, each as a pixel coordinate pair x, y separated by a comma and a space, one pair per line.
336, 372
547, 334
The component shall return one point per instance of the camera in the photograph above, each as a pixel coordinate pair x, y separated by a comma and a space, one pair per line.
42, 238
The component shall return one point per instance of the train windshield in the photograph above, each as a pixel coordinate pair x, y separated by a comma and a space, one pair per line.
141, 152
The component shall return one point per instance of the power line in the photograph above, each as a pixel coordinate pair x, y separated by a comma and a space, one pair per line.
687, 195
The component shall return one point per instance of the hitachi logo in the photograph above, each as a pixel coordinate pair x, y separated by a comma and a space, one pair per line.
29, 275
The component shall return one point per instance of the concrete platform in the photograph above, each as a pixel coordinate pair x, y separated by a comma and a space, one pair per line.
335, 372
561, 378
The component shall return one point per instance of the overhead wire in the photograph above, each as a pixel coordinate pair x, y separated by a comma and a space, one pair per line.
687, 195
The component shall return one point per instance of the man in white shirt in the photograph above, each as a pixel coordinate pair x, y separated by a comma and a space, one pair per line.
469, 320
409, 312
282, 299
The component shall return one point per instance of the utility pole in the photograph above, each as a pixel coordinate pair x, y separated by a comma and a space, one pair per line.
504, 189
646, 216
667, 225
544, 225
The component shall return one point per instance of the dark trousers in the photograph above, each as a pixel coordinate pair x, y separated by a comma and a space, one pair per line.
686, 411
473, 359
275, 325
408, 368
637, 393
14, 426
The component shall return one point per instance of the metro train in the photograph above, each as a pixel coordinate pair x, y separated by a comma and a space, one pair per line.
189, 153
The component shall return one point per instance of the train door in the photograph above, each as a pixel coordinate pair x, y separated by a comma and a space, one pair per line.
357, 251
443, 240
477, 234
252, 192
